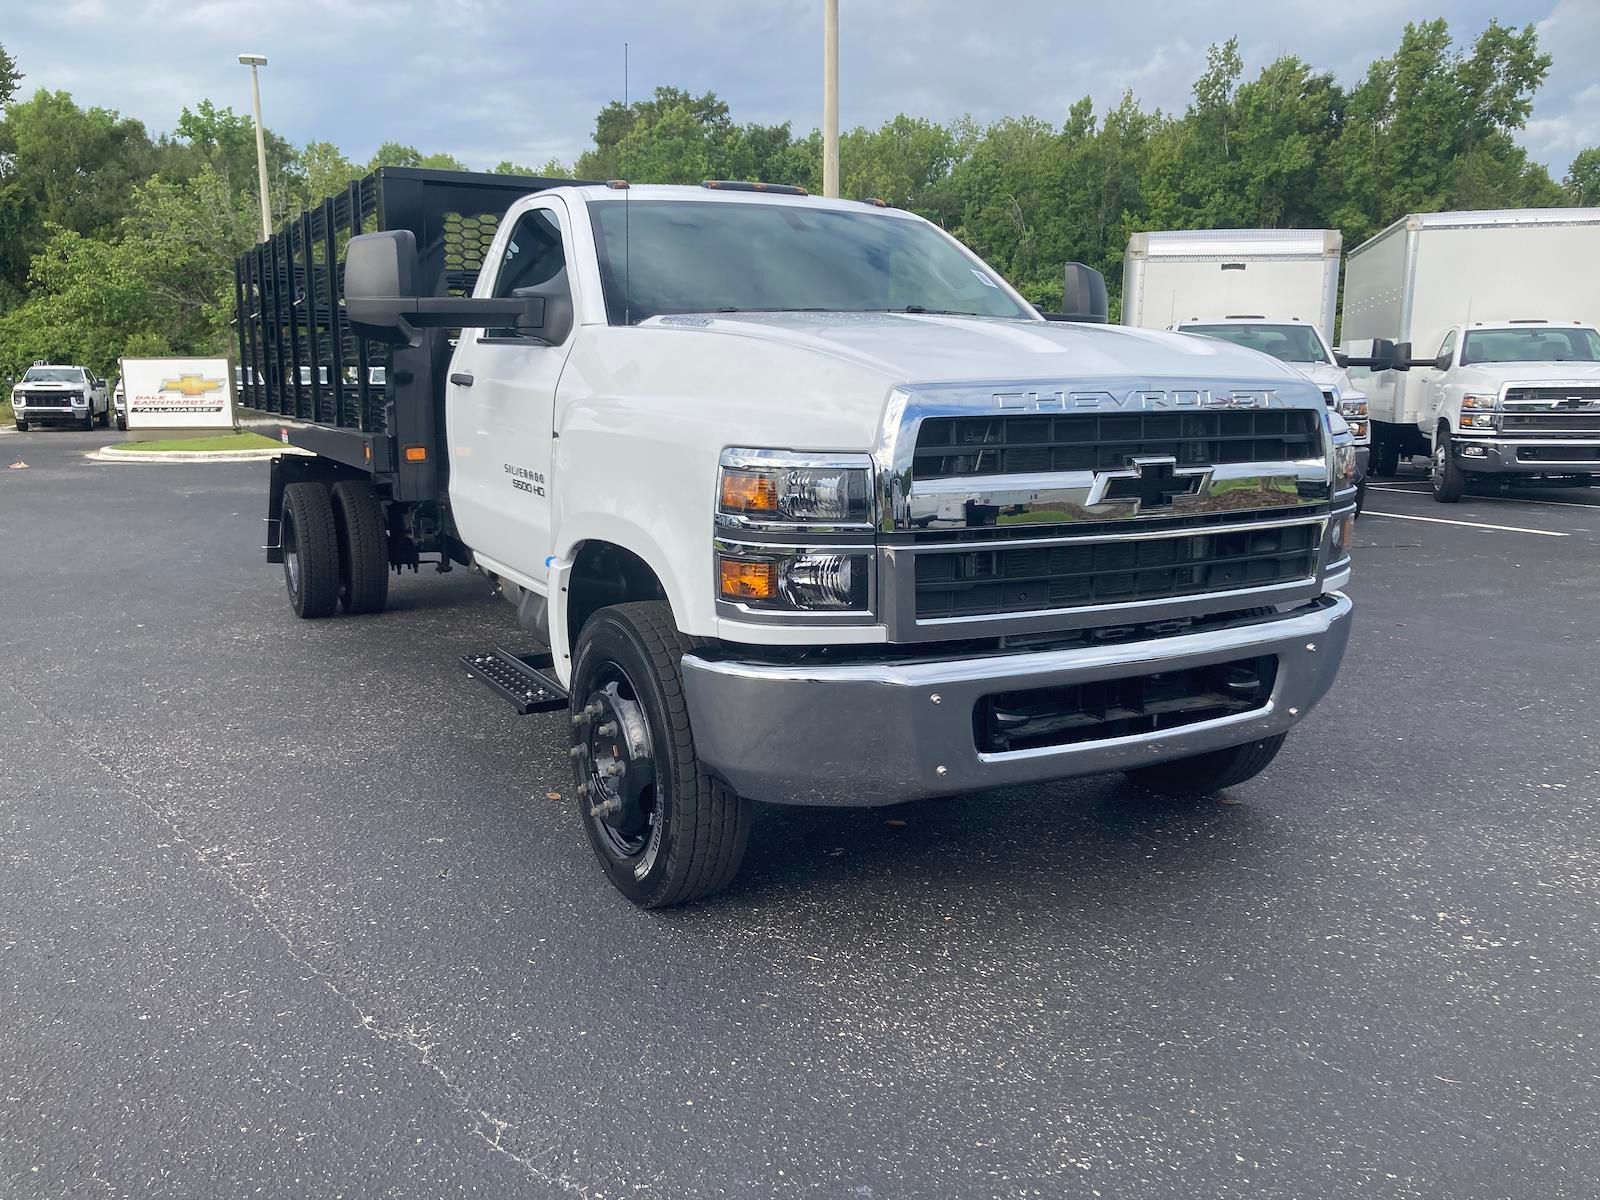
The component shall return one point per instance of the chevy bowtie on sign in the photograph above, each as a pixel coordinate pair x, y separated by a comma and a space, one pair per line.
178, 393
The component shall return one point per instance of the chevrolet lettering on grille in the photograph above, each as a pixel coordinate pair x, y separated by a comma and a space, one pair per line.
1153, 399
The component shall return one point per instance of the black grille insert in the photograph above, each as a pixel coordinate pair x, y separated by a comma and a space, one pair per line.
1559, 454
1112, 708
1008, 579
1561, 395
1550, 422
965, 446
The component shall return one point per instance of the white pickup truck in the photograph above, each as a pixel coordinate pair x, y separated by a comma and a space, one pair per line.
48, 394
805, 502
1514, 401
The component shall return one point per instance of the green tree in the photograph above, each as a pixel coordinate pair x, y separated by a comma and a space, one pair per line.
326, 171
10, 77
1583, 177
68, 167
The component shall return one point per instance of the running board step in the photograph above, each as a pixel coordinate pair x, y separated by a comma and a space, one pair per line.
526, 681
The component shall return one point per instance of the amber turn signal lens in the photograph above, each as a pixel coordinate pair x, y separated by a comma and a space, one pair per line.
416, 454
747, 491
742, 579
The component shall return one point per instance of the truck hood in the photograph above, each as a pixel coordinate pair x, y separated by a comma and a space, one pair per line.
925, 348
1328, 375
1495, 374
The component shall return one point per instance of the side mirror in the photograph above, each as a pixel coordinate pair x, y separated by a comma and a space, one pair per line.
1083, 294
1400, 355
1341, 359
382, 300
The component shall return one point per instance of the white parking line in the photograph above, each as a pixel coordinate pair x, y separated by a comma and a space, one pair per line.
1368, 512
1423, 488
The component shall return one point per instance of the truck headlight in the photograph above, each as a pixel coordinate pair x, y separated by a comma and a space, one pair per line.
801, 580
1479, 401
1471, 420
780, 488
81, 399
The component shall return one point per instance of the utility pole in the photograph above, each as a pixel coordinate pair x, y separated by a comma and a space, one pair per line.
254, 61
830, 98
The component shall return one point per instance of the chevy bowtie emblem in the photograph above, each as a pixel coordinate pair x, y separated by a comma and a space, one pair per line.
191, 385
1149, 483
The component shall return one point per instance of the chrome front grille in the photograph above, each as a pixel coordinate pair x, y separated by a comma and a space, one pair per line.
1011, 510
964, 582
976, 447
1576, 396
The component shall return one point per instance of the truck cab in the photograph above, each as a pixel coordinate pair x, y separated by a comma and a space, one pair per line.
52, 394
1512, 401
804, 503
1301, 345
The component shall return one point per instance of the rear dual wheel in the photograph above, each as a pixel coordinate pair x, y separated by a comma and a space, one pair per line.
335, 548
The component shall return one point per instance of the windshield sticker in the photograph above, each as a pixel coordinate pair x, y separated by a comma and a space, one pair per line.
984, 279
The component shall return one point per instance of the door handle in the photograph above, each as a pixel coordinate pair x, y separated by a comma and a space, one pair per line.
461, 378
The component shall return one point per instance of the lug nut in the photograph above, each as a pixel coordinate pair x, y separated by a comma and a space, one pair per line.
609, 729
576, 752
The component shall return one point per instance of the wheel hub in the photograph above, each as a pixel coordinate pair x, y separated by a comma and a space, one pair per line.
616, 767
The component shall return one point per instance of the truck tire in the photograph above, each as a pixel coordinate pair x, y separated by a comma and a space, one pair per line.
1385, 457
363, 547
105, 418
88, 420
1210, 772
22, 426
672, 833
1448, 480
310, 550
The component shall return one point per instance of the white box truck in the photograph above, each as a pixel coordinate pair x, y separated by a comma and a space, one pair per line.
1176, 275
1432, 282
1272, 290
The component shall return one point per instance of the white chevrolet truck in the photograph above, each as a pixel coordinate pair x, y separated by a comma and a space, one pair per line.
802, 502
49, 394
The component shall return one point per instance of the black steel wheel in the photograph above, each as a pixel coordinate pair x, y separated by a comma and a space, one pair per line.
1448, 479
310, 549
363, 547
663, 829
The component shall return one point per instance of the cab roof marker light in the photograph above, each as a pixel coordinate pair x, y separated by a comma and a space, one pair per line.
617, 185
740, 185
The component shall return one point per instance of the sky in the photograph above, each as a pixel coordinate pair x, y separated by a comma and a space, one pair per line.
488, 80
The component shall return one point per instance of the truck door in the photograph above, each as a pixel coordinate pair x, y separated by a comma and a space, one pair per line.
500, 404
1435, 381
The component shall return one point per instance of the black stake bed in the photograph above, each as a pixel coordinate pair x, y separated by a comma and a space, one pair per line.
526, 681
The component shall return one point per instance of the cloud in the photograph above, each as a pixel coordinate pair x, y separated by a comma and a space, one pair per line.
523, 79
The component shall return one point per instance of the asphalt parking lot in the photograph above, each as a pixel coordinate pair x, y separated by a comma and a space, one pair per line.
287, 909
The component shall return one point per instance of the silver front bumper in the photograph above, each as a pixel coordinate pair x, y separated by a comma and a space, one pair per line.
859, 734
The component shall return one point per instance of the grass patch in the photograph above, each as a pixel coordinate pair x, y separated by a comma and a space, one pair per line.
225, 441
7, 417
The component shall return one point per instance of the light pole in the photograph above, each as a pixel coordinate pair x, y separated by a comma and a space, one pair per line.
830, 98
255, 61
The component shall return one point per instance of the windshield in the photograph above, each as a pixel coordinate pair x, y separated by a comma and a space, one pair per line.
1530, 345
1290, 343
686, 256
53, 375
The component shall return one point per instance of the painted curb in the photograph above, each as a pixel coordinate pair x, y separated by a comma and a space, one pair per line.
108, 454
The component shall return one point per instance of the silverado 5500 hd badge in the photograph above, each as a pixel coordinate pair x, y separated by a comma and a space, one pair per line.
525, 480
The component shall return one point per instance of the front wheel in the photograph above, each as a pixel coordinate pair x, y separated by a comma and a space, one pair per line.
1209, 772
22, 426
88, 421
664, 830
1448, 480
1385, 457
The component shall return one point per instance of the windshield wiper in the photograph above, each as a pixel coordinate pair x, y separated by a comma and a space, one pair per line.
920, 311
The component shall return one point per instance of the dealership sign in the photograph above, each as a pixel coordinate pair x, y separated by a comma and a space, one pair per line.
178, 393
